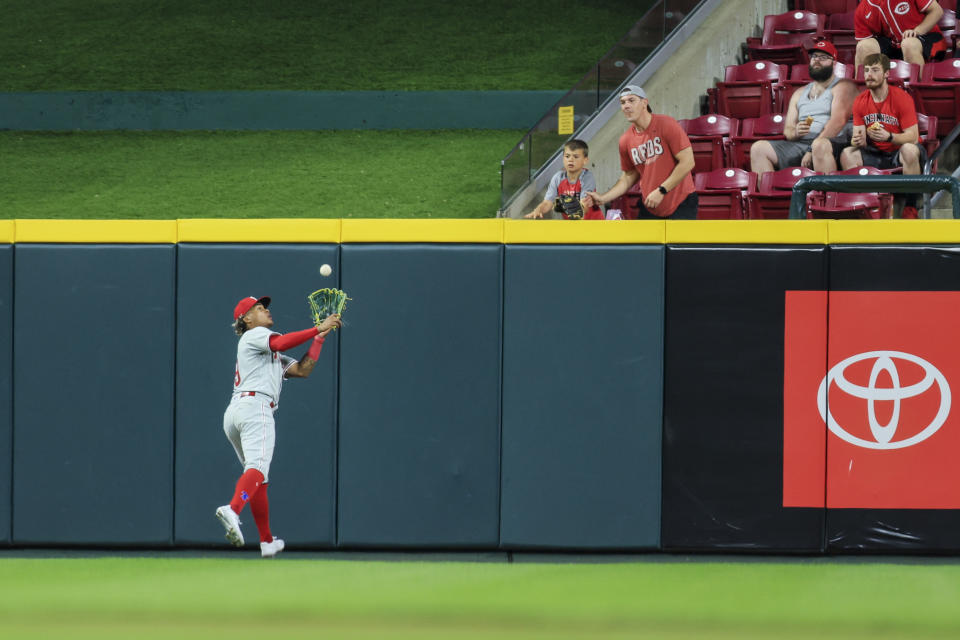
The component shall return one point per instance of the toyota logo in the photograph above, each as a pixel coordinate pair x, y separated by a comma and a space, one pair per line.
884, 434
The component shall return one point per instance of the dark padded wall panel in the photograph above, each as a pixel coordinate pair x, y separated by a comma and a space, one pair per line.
211, 280
723, 398
923, 325
6, 388
420, 388
582, 396
93, 414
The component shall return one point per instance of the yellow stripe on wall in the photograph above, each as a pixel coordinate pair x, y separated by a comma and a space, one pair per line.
583, 232
894, 231
747, 232
488, 230
485, 231
260, 230
96, 231
7, 232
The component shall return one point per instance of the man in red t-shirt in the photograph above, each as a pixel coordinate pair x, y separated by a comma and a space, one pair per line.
900, 29
657, 152
885, 130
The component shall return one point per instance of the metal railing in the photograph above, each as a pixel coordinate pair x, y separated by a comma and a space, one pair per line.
543, 140
928, 201
872, 184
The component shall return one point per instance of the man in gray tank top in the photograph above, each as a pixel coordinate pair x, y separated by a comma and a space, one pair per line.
816, 125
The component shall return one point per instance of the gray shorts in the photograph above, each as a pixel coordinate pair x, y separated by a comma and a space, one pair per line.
791, 152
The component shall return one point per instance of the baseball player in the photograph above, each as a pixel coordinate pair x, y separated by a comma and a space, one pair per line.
248, 420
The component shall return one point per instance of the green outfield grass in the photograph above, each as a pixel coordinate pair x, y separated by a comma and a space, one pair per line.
273, 174
58, 45
298, 597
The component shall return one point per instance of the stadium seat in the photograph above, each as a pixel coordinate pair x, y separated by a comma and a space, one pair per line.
750, 90
844, 206
770, 199
709, 136
769, 127
927, 128
838, 29
948, 26
722, 193
827, 6
628, 203
938, 93
784, 37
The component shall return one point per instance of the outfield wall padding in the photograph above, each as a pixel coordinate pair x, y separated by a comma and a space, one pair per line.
582, 393
93, 413
726, 398
211, 279
908, 296
6, 389
419, 396
723, 405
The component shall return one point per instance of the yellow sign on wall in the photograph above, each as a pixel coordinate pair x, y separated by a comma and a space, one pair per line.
565, 121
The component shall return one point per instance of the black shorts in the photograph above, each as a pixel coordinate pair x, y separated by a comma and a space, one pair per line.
873, 157
686, 210
894, 52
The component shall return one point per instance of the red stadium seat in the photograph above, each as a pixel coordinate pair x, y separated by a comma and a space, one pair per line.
948, 26
749, 90
770, 200
784, 36
628, 203
838, 29
722, 193
832, 204
938, 93
843, 206
827, 6
769, 127
927, 128
709, 136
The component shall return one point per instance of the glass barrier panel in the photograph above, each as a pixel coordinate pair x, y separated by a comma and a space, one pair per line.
515, 169
675, 11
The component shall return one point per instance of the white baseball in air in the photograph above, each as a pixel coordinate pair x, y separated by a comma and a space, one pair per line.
325, 269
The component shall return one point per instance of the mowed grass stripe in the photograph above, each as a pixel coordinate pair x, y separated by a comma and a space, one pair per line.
271, 174
362, 45
404, 599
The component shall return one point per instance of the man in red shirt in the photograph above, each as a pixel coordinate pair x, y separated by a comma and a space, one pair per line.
885, 130
900, 29
657, 152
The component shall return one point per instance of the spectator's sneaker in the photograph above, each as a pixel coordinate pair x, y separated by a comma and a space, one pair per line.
231, 522
270, 549
910, 213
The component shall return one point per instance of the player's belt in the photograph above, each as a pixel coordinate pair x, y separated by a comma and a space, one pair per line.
253, 393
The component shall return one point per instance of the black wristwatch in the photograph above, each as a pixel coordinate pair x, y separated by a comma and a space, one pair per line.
662, 190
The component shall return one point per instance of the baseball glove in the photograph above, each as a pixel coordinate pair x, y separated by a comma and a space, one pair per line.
326, 302
569, 206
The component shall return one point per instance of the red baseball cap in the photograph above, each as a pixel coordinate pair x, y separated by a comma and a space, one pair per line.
247, 303
825, 46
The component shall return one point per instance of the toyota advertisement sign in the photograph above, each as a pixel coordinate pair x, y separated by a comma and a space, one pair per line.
868, 400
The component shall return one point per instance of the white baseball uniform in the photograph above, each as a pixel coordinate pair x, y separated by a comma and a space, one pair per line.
248, 421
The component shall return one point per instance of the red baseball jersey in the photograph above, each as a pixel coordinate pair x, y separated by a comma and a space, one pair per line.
895, 113
651, 153
889, 18
560, 185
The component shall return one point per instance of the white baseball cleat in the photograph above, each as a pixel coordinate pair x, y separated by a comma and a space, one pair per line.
231, 522
270, 549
